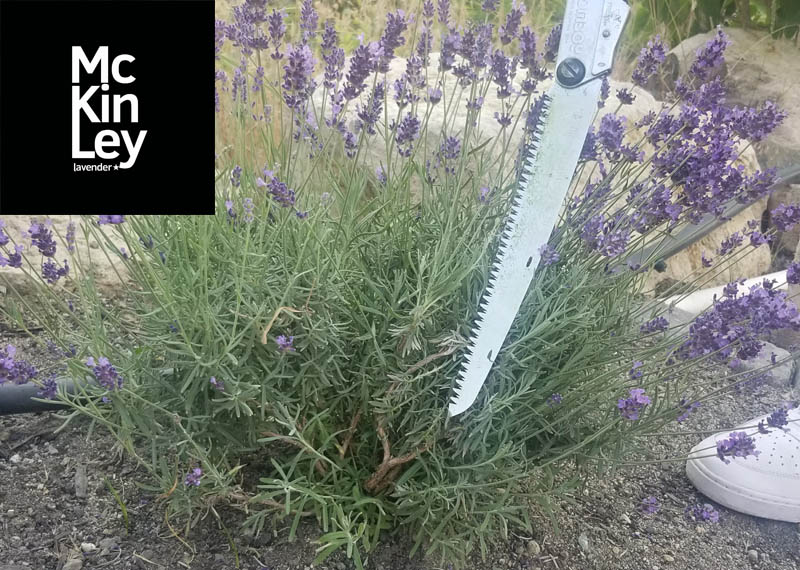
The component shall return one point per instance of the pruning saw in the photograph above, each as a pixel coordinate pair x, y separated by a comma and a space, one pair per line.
589, 35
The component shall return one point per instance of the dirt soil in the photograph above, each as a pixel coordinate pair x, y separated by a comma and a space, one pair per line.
51, 517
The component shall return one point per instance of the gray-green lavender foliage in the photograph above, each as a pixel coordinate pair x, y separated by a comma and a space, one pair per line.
299, 347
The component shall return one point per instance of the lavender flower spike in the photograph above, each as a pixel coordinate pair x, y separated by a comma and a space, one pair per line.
738, 444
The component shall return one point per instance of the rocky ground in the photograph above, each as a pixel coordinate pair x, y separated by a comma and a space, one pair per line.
57, 512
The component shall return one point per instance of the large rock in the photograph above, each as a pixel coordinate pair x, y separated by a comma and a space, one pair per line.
759, 68
681, 267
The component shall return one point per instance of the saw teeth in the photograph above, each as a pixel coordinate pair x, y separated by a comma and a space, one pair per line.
520, 197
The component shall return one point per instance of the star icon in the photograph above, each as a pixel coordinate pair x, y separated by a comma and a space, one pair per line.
116, 167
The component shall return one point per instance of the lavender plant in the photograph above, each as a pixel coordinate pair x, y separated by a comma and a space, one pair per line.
295, 353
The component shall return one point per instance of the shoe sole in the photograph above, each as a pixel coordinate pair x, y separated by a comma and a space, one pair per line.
739, 498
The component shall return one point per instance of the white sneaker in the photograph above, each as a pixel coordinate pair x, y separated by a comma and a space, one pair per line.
767, 485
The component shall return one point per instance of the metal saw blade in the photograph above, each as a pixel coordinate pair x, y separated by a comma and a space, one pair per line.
545, 179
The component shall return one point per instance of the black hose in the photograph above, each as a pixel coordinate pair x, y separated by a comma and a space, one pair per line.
17, 398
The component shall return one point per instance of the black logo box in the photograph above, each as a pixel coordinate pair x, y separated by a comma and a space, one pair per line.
171, 43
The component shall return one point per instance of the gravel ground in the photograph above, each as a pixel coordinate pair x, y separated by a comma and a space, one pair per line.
56, 512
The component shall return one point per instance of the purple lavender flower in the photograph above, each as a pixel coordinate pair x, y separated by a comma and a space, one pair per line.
285, 343
793, 273
753, 123
634, 372
757, 238
425, 45
110, 220
51, 272
13, 369
248, 210
276, 29
443, 10
332, 55
193, 477
529, 59
730, 243
778, 418
49, 388
42, 238
363, 62
650, 505
785, 216
281, 193
554, 399
350, 143
449, 151
738, 444
451, 45
14, 259
702, 513
220, 28
658, 324
551, 43
605, 89
406, 133
105, 373
369, 113
434, 95
610, 133
484, 195
70, 237
510, 29
308, 20
392, 38
489, 6
631, 407
688, 408
297, 81
475, 104
710, 56
650, 58
502, 73
217, 384
380, 174
625, 96
548, 254
4, 239
589, 150
706, 261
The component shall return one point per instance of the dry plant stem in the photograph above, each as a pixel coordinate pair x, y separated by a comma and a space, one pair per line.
390, 467
420, 364
272, 321
350, 433
320, 467
243, 498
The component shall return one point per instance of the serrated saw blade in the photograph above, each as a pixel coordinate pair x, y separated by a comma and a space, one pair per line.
544, 181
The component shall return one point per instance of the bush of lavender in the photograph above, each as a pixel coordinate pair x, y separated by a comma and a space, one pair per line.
294, 354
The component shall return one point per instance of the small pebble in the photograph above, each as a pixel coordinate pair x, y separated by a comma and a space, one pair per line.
52, 450
752, 556
583, 542
81, 482
73, 564
616, 550
668, 559
88, 547
625, 519
15, 458
533, 548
